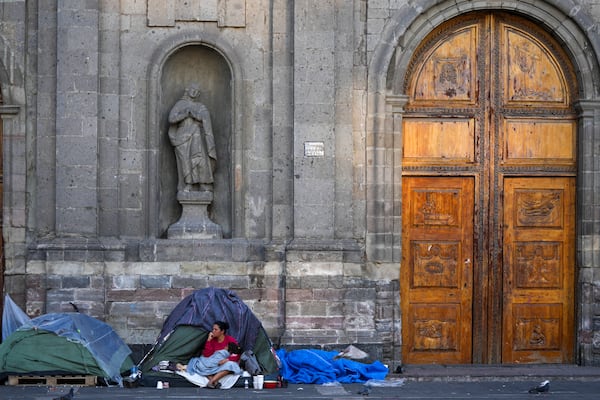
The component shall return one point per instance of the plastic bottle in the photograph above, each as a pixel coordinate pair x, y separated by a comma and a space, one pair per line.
246, 384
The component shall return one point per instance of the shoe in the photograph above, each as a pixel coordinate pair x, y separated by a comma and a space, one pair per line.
173, 366
210, 386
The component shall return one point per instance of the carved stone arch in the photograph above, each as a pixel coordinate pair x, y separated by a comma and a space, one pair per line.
190, 47
409, 26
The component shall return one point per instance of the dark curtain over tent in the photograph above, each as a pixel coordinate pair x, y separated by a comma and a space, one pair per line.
203, 307
185, 330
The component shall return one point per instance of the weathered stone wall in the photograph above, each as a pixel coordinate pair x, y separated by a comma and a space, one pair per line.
320, 303
314, 170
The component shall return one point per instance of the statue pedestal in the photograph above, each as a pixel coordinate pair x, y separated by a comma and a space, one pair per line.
194, 222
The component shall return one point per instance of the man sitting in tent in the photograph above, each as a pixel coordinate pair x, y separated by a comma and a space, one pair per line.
220, 357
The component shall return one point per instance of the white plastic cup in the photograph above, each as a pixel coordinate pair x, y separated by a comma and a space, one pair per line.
159, 385
260, 381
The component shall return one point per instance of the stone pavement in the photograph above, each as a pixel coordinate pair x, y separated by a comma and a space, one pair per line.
423, 382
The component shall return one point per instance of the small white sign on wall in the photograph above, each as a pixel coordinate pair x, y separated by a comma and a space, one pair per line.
314, 149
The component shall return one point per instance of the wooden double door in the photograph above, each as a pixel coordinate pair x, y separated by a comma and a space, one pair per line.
488, 195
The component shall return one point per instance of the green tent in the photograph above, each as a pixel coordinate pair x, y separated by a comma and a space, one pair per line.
68, 343
187, 341
186, 329
28, 352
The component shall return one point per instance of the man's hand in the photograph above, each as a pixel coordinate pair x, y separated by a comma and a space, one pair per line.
210, 336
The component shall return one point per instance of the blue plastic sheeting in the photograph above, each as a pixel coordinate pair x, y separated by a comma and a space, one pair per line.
319, 366
12, 317
97, 337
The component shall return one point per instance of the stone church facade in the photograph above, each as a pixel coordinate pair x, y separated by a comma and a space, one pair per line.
313, 110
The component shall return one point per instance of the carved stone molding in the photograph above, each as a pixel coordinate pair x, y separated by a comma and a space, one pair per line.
227, 13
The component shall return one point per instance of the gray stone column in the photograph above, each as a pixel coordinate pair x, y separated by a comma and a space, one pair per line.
283, 124
588, 232
43, 68
76, 117
108, 123
384, 201
314, 111
14, 200
344, 141
394, 129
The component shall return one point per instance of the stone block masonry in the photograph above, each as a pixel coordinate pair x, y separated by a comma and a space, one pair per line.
136, 297
314, 299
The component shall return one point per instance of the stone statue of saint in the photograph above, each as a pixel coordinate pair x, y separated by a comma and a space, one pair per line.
192, 137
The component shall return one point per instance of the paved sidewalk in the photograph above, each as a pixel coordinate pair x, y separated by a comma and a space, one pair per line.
416, 382
571, 390
479, 373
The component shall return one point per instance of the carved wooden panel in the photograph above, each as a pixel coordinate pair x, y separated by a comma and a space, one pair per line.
530, 71
435, 327
537, 327
447, 72
436, 207
439, 140
539, 208
539, 265
437, 268
435, 264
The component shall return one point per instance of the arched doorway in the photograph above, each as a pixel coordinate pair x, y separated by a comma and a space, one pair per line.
488, 195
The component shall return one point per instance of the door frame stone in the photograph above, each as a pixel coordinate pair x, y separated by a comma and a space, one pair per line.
388, 68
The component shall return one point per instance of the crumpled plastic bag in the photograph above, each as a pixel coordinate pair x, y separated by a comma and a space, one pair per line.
392, 382
352, 352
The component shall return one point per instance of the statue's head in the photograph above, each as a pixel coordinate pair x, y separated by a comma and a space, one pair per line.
193, 90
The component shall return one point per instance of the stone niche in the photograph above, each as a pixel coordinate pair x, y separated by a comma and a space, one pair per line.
206, 67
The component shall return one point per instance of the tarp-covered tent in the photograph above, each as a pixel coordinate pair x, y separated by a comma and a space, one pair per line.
186, 328
12, 317
66, 343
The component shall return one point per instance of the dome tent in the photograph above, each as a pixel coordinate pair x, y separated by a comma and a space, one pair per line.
65, 343
185, 330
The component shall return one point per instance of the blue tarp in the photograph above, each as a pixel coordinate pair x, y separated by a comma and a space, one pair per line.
319, 366
12, 317
103, 343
